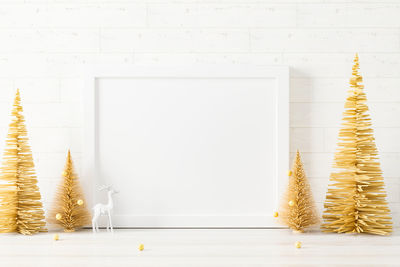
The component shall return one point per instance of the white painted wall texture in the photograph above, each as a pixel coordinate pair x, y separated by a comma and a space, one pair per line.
45, 44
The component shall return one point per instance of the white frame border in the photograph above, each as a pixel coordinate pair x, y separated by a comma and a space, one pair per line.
280, 73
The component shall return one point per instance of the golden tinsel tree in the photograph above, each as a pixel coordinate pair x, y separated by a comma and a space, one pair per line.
69, 210
298, 208
356, 199
20, 201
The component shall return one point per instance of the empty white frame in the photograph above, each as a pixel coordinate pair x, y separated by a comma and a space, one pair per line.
188, 147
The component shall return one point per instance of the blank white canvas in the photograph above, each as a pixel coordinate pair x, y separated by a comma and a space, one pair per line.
188, 152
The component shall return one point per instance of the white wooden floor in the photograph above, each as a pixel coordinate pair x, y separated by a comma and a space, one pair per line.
199, 247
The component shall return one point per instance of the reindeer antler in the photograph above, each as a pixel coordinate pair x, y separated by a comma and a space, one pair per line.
102, 187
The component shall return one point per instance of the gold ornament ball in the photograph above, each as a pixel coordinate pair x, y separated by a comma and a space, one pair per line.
58, 216
141, 247
291, 203
276, 214
297, 244
289, 173
56, 237
64, 173
80, 202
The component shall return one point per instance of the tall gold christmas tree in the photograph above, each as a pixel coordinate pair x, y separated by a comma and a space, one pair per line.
69, 211
298, 208
20, 201
355, 201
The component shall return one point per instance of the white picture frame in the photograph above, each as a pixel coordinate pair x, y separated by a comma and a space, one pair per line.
99, 88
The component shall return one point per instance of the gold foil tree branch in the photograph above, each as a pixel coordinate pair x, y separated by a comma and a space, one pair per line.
20, 201
356, 199
69, 210
298, 207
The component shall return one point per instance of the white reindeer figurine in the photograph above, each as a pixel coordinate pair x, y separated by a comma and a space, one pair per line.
104, 209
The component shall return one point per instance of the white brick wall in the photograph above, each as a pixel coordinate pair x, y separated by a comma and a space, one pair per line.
45, 43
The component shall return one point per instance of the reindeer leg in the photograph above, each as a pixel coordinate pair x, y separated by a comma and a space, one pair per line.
97, 224
94, 224
108, 224
109, 220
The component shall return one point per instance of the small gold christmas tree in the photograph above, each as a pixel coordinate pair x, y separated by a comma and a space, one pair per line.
355, 201
298, 208
69, 210
20, 201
